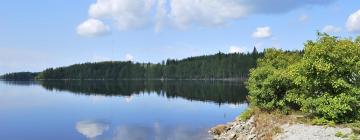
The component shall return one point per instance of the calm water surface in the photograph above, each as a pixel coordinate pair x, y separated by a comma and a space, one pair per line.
116, 110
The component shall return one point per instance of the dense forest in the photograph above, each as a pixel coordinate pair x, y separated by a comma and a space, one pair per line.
217, 66
19, 76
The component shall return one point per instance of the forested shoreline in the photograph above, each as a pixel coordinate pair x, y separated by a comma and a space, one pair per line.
234, 66
19, 76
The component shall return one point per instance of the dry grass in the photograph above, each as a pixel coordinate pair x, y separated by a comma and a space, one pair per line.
217, 130
268, 124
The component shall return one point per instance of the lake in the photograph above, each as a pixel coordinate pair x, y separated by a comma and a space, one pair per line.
117, 110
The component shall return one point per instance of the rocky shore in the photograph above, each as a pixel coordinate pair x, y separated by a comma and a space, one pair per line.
236, 130
247, 130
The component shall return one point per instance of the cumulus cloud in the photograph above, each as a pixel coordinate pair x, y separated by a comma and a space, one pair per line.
92, 27
130, 14
262, 32
353, 22
126, 14
129, 57
91, 129
236, 49
331, 29
100, 58
206, 12
161, 15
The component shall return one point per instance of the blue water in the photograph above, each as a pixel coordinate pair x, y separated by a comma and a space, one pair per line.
33, 111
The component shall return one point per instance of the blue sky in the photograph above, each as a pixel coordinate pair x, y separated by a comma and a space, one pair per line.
38, 34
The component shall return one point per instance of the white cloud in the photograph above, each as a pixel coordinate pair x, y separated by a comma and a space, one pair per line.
303, 18
161, 15
91, 129
92, 27
130, 14
99, 58
353, 22
127, 14
331, 29
262, 32
206, 12
236, 49
129, 57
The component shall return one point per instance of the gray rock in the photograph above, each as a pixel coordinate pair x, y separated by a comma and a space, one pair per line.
310, 132
245, 130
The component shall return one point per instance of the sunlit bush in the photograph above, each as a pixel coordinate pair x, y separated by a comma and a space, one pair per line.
323, 81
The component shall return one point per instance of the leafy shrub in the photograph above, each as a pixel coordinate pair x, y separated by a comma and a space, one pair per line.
323, 81
268, 83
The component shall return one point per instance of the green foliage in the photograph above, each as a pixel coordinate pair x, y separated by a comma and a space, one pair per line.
322, 121
323, 81
353, 137
339, 134
268, 83
246, 114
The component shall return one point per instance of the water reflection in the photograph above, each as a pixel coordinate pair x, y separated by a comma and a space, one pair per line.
159, 132
156, 131
91, 129
211, 91
21, 83
155, 110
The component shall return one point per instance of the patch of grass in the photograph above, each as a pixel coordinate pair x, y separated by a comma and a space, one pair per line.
355, 127
331, 123
322, 121
277, 130
246, 114
353, 137
339, 134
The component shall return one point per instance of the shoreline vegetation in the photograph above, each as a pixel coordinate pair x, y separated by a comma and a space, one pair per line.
295, 95
219, 66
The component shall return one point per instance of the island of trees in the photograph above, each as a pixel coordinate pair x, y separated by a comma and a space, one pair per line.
218, 66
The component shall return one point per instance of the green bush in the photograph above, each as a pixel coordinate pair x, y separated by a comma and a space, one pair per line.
323, 80
268, 83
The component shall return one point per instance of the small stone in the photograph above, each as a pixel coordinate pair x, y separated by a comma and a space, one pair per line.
252, 131
251, 137
218, 130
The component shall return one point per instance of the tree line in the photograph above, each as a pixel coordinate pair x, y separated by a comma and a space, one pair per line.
19, 76
217, 66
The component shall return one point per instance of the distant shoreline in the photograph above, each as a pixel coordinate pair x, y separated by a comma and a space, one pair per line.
215, 79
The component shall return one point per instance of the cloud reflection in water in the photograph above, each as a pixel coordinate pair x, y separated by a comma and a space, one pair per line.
91, 129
